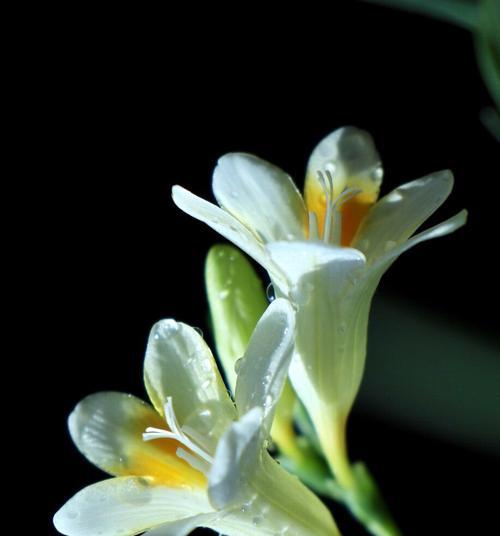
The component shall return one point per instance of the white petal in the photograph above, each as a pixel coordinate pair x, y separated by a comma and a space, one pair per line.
264, 368
441, 229
349, 153
126, 506
222, 222
107, 428
179, 364
261, 497
289, 503
184, 527
262, 196
235, 459
331, 320
298, 258
395, 217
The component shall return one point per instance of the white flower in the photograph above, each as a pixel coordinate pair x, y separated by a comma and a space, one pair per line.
326, 254
196, 459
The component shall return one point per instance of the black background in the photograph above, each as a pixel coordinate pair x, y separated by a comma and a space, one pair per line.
144, 99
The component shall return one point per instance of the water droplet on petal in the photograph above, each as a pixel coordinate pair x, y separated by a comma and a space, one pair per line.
268, 401
271, 296
199, 331
72, 514
257, 520
206, 365
237, 365
167, 326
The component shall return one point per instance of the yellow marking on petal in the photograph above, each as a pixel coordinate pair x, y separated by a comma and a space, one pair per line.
315, 199
353, 210
155, 459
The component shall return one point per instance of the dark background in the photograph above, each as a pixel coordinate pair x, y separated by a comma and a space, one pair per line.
142, 100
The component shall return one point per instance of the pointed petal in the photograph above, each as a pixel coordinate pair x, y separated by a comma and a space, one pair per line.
331, 321
441, 229
222, 222
349, 154
293, 504
179, 364
259, 491
126, 506
262, 196
107, 429
264, 368
393, 219
235, 459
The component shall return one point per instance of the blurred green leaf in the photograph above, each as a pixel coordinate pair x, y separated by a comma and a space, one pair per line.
428, 374
487, 41
463, 13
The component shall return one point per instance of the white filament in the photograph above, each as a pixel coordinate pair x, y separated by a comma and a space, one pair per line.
179, 435
332, 230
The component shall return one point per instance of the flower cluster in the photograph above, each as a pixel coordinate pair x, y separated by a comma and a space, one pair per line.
199, 456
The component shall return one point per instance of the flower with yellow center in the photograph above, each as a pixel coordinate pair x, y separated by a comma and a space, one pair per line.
195, 458
326, 253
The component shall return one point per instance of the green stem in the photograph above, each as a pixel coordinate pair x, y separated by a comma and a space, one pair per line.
363, 498
335, 448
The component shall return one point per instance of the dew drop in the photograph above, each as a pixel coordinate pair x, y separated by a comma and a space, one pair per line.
169, 326
271, 296
72, 514
257, 520
237, 365
268, 401
206, 365
199, 331
377, 173
223, 294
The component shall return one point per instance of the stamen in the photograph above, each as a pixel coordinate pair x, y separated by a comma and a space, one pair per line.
194, 461
179, 435
332, 228
313, 226
328, 190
